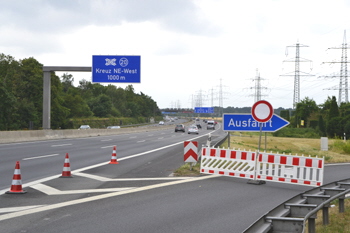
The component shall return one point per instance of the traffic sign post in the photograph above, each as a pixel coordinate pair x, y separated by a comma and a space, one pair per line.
262, 112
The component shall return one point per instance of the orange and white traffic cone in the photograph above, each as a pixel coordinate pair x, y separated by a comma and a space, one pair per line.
114, 156
66, 168
16, 187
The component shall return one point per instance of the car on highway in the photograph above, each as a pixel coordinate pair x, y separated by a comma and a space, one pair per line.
192, 129
84, 127
210, 124
161, 122
113, 127
180, 127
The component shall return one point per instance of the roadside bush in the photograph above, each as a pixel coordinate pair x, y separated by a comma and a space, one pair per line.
297, 133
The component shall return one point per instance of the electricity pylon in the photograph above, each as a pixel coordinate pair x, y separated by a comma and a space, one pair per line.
257, 87
343, 77
297, 72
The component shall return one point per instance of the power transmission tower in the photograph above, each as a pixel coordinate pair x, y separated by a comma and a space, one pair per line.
343, 77
297, 72
257, 87
199, 99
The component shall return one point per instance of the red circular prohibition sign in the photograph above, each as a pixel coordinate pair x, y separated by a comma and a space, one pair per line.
262, 111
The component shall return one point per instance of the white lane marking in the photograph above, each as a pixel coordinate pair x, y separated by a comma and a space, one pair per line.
161, 138
104, 147
52, 191
101, 178
150, 135
141, 141
61, 145
106, 140
39, 157
99, 197
133, 137
21, 208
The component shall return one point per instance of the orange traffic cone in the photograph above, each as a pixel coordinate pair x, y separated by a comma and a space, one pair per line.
114, 156
16, 186
66, 168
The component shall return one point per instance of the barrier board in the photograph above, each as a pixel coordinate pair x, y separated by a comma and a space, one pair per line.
271, 167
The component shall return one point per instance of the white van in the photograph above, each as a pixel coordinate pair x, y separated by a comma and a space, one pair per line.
210, 125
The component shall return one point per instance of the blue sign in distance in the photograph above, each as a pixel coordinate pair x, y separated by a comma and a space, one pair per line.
203, 110
119, 69
246, 122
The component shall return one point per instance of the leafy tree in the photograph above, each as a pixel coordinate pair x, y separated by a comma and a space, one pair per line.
101, 106
305, 108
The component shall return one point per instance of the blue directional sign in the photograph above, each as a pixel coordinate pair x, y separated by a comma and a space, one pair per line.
246, 122
119, 69
203, 110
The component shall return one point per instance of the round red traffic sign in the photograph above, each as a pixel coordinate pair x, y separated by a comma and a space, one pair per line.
262, 111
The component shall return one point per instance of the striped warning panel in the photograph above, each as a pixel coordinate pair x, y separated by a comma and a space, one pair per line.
227, 162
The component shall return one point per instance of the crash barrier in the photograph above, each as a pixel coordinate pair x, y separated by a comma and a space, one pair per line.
272, 167
300, 212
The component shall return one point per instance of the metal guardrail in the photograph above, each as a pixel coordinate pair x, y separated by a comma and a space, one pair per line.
292, 215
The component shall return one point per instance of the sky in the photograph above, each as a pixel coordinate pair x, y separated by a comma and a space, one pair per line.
194, 53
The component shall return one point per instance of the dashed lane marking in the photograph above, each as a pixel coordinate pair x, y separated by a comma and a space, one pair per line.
61, 145
39, 157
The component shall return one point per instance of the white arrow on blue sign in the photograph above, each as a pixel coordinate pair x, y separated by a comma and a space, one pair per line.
246, 122
203, 110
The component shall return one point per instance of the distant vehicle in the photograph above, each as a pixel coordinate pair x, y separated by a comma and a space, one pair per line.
210, 125
113, 127
161, 122
84, 127
180, 128
192, 129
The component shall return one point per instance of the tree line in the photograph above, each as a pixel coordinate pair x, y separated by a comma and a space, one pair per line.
21, 93
327, 119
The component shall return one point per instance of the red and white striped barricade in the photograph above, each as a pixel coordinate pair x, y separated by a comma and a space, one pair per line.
190, 151
233, 163
270, 167
290, 169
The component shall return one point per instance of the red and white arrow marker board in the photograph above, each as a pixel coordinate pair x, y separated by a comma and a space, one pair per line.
190, 151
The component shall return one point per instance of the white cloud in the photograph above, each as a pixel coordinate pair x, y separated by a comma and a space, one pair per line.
187, 47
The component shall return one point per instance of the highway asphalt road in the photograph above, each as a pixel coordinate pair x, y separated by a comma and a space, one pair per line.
136, 195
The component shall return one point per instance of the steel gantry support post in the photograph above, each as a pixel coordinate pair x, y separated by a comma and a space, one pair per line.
47, 88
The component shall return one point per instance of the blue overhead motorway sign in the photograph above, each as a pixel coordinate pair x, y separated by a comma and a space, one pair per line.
119, 69
203, 110
246, 122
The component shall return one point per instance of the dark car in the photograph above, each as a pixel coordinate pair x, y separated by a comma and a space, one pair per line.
180, 128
